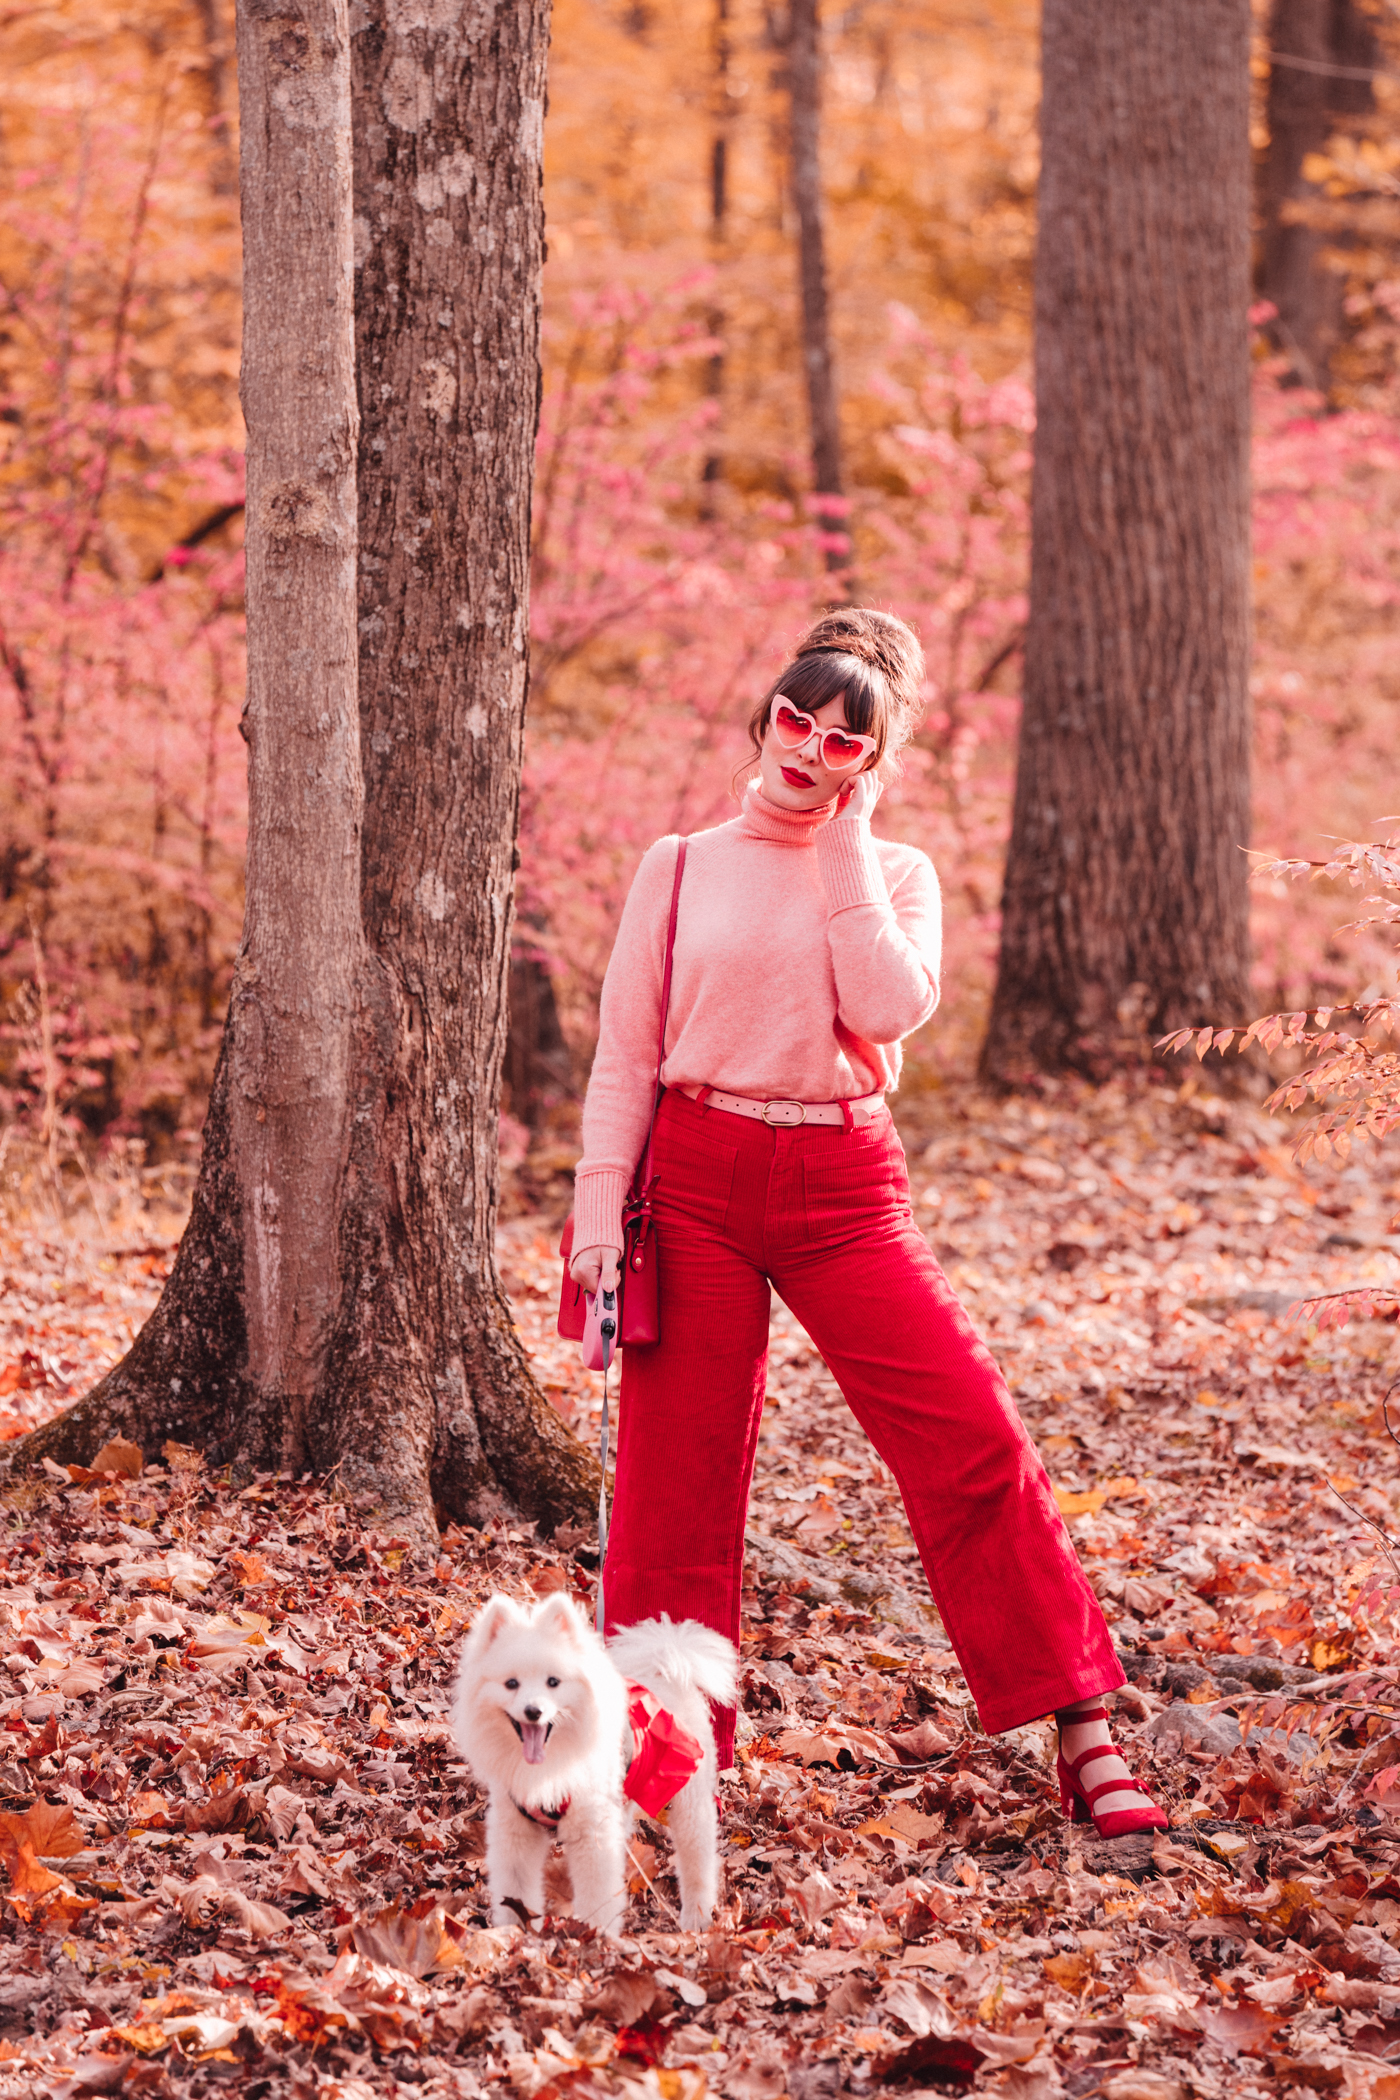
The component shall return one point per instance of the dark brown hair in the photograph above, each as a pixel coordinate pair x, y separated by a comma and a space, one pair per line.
871, 657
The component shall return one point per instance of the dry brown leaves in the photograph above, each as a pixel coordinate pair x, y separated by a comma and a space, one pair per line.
237, 1850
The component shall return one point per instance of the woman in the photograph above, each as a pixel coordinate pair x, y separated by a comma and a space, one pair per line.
806, 950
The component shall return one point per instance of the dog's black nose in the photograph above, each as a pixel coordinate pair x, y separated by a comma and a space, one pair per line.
532, 1713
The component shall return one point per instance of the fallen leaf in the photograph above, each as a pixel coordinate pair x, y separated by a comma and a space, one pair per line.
758, 2078
1070, 1971
625, 1998
147, 2039
51, 1829
118, 1456
420, 1938
915, 2006
1239, 2028
824, 1746
911, 1823
920, 1745
1079, 1502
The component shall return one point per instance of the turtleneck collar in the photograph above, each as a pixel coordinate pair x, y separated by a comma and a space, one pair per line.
762, 819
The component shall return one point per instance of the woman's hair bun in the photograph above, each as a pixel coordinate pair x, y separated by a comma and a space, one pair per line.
877, 639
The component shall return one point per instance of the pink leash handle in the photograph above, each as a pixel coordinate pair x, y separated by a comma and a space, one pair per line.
600, 1615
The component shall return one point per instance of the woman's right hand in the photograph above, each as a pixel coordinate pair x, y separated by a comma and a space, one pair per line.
593, 1266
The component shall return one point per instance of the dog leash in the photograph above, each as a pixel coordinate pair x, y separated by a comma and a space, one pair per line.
607, 1329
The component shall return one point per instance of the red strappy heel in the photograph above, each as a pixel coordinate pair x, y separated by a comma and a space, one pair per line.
1077, 1800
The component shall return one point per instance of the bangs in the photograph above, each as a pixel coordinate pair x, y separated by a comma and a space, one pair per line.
825, 675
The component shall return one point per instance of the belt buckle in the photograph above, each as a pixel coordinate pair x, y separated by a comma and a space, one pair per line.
785, 1122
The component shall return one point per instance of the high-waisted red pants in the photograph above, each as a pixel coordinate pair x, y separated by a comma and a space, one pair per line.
823, 1215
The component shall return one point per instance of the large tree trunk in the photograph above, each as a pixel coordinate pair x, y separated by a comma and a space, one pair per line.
804, 90
1124, 910
448, 195
335, 1302
1321, 55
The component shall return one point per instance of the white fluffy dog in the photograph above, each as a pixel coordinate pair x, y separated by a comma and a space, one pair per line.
540, 1713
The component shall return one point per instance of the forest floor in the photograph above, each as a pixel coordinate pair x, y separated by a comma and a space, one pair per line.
238, 1852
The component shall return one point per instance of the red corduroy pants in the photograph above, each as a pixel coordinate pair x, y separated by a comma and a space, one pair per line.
823, 1215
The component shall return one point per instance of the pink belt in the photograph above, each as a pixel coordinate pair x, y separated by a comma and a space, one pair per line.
790, 1115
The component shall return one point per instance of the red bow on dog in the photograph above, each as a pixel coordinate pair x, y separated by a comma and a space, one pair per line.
664, 1755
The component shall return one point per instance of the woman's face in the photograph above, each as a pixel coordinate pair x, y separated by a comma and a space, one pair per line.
798, 779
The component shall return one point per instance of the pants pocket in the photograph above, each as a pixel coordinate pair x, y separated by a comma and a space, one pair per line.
694, 1173
854, 1190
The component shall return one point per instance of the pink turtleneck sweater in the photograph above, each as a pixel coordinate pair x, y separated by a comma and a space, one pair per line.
806, 949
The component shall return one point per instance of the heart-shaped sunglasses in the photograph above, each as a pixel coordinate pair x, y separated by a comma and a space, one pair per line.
839, 749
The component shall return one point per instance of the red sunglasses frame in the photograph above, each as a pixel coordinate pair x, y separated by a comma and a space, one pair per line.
866, 745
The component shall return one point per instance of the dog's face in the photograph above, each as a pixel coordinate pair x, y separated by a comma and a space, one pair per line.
529, 1676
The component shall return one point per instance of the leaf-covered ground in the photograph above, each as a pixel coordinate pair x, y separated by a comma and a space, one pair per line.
238, 1853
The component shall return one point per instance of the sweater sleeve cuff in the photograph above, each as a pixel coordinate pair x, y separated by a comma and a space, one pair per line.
598, 1199
850, 866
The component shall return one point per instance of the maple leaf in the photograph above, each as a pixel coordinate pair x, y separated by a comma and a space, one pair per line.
419, 1938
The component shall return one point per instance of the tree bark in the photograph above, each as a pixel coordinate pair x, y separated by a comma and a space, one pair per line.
335, 1302
449, 221
1125, 904
1317, 49
804, 91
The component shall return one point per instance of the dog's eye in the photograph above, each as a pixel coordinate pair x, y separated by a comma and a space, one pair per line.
553, 1683
512, 1684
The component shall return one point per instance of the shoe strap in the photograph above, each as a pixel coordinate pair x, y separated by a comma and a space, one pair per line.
1115, 1786
1091, 1713
1086, 1757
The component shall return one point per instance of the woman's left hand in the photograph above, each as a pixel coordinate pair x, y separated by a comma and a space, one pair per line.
858, 799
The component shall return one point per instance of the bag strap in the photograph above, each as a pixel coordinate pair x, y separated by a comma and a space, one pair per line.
641, 1181
637, 1194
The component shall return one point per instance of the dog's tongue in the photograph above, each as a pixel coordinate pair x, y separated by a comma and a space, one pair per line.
532, 1735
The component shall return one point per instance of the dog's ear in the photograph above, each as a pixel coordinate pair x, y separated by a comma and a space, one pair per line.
497, 1614
559, 1614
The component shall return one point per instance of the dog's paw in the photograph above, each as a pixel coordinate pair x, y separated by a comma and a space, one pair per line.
696, 1917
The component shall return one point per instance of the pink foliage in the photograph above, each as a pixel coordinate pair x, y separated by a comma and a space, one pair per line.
1327, 723
657, 620
672, 625
684, 623
122, 790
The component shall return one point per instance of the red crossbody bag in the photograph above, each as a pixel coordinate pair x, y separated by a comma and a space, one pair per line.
640, 1313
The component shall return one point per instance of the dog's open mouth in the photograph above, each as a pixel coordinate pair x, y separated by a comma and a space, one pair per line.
533, 1737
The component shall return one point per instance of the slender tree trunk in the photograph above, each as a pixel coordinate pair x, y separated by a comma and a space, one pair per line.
1317, 47
719, 221
538, 1067
296, 979
1124, 910
231, 1356
804, 90
335, 1302
214, 26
